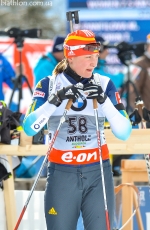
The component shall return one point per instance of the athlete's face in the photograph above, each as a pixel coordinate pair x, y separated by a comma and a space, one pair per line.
84, 65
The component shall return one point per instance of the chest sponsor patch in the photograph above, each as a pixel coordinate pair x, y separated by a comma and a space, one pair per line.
39, 85
81, 156
58, 86
38, 93
80, 104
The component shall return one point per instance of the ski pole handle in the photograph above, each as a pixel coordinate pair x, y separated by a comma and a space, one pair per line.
69, 104
70, 16
95, 103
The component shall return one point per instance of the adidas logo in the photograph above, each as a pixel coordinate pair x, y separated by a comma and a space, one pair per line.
52, 211
88, 33
71, 53
69, 92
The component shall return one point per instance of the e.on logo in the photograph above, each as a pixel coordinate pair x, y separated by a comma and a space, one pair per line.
81, 157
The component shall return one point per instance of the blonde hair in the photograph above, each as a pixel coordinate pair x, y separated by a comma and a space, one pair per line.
60, 67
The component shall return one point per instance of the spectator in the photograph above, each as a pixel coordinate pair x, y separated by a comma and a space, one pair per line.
47, 63
142, 78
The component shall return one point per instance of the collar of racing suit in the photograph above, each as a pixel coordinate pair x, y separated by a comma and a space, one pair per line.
73, 74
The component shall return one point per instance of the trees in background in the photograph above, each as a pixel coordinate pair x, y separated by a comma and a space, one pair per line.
44, 15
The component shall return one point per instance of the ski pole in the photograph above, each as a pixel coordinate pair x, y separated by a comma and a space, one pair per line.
62, 120
95, 107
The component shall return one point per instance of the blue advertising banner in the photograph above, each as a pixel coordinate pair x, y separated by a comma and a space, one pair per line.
103, 4
111, 20
116, 21
144, 208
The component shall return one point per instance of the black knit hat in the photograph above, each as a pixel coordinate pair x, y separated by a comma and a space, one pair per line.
58, 44
102, 41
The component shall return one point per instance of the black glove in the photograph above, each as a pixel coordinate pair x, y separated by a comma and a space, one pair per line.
95, 91
70, 92
54, 99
